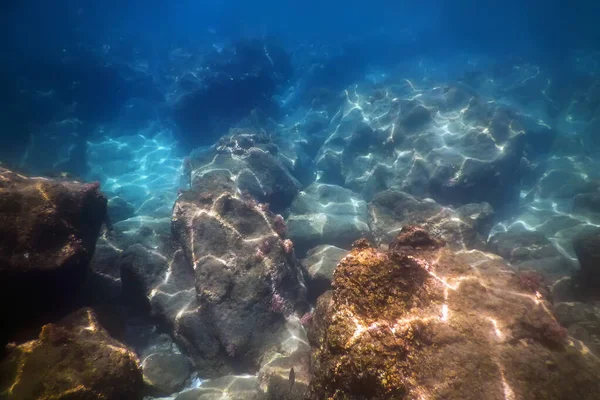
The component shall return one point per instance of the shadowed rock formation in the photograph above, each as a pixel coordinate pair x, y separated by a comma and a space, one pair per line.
48, 232
74, 359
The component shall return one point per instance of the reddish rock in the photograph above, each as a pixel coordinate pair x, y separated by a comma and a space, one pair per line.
421, 321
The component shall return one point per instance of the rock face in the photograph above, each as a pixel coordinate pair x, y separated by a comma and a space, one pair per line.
73, 359
246, 275
48, 232
326, 214
424, 321
465, 227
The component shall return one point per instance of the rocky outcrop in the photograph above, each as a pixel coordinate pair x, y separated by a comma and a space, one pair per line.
73, 359
445, 143
48, 232
225, 292
465, 227
246, 276
423, 321
326, 214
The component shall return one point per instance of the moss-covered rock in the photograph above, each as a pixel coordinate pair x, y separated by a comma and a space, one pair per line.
421, 321
74, 359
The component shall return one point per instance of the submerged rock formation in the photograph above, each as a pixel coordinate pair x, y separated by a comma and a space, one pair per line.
421, 321
326, 214
234, 277
251, 163
48, 232
445, 142
74, 359
246, 276
461, 228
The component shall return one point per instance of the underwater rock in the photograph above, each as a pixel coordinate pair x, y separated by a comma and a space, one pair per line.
465, 227
141, 270
425, 145
526, 249
424, 321
278, 381
564, 290
246, 277
587, 248
326, 214
245, 161
48, 232
119, 209
582, 320
166, 373
106, 258
152, 233
494, 179
320, 262
73, 359
225, 293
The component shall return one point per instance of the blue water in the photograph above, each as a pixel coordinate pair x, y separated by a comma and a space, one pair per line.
123, 92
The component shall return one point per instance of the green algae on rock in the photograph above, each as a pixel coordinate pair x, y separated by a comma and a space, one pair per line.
74, 359
423, 322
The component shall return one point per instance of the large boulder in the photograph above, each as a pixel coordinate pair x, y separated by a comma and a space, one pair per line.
465, 227
225, 292
439, 142
246, 275
245, 161
582, 320
326, 214
48, 232
423, 321
166, 372
74, 359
